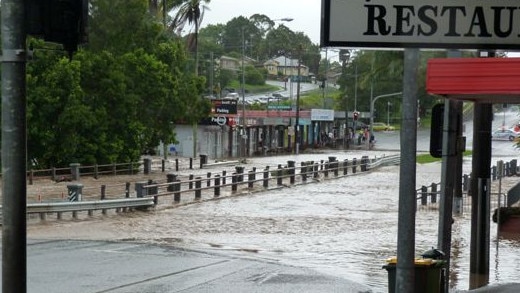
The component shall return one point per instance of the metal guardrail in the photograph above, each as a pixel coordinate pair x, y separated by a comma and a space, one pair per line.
90, 206
385, 161
76, 206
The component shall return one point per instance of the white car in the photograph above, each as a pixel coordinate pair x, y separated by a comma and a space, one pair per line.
505, 134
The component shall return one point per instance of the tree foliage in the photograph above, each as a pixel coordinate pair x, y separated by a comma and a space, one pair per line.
120, 95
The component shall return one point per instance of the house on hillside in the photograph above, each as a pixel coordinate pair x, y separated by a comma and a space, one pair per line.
286, 68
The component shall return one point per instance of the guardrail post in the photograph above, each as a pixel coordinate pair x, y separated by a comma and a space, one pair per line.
354, 165
250, 179
177, 191
424, 195
434, 193
234, 181
224, 177
266, 177
315, 169
103, 196
147, 166
217, 185
74, 171
279, 174
345, 167
292, 171
176, 165
208, 183
198, 190
75, 194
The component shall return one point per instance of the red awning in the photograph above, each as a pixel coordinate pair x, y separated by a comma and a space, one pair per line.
485, 80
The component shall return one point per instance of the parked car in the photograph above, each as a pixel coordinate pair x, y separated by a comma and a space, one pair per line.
380, 126
505, 134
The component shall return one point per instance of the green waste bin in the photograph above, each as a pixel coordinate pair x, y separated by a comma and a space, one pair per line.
428, 275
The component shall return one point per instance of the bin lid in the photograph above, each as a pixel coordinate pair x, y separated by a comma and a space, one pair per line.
417, 261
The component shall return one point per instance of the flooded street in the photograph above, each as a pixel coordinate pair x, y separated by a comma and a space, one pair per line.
346, 227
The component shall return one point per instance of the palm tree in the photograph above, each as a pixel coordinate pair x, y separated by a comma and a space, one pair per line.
191, 12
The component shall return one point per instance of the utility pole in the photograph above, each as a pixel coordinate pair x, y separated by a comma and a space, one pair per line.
297, 125
14, 147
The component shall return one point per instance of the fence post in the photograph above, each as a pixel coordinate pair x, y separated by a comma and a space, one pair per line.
208, 176
31, 176
303, 171
250, 179
513, 164
103, 196
345, 167
292, 171
147, 168
191, 163
74, 171
177, 191
354, 165
315, 170
190, 178
266, 177
170, 178
198, 185
321, 165
53, 174
114, 169
217, 185
224, 177
96, 171
163, 165
177, 165
234, 179
434, 193
279, 174
326, 170
364, 163
127, 189
240, 173
494, 174
424, 195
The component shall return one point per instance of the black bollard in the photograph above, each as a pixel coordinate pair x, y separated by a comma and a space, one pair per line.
217, 185
266, 178
198, 190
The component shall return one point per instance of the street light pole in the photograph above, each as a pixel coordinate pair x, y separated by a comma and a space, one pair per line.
372, 102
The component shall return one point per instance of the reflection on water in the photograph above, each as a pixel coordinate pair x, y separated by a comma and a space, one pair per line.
345, 227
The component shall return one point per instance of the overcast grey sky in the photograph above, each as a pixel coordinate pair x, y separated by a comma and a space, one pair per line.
306, 13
